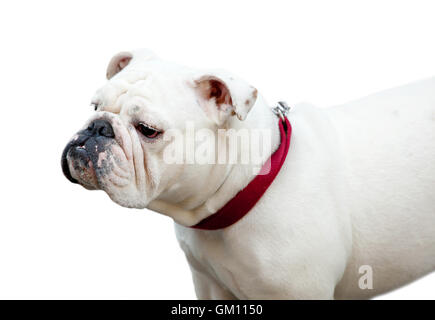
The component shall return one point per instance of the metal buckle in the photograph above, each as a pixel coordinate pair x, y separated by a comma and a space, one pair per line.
281, 109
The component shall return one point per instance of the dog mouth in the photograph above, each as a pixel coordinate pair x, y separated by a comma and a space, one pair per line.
82, 154
65, 166
77, 162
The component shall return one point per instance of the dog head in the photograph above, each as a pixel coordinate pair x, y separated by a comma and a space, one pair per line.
120, 149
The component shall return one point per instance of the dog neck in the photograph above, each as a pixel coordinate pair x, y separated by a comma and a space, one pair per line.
230, 178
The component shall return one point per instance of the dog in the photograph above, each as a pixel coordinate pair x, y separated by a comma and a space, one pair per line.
350, 213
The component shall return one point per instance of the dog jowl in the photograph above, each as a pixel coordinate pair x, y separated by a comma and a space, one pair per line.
89, 157
96, 158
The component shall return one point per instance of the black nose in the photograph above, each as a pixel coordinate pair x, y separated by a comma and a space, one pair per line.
100, 128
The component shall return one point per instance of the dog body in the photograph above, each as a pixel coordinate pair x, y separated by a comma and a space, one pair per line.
355, 192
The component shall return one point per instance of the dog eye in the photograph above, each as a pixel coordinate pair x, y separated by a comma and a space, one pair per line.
147, 131
95, 105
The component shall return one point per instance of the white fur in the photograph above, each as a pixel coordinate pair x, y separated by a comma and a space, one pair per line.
357, 188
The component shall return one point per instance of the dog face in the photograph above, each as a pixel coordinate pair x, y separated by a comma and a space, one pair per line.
120, 149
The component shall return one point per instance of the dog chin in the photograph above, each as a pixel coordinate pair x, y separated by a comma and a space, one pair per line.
81, 168
127, 197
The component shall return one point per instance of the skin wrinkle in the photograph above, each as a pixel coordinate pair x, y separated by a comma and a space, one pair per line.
117, 183
117, 171
128, 153
210, 210
135, 165
120, 99
213, 210
120, 141
172, 182
147, 170
144, 179
122, 174
138, 111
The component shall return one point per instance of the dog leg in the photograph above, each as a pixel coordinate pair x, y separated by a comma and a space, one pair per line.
207, 288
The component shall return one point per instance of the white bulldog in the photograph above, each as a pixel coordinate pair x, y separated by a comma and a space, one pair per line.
350, 215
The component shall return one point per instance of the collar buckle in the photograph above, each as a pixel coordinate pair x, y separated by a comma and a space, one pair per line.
281, 109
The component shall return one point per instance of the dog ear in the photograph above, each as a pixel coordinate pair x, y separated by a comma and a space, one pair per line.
223, 96
117, 63
122, 59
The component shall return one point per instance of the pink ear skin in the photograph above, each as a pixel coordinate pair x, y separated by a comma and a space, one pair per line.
224, 98
117, 63
214, 89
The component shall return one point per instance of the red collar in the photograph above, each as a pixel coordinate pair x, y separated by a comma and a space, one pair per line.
246, 199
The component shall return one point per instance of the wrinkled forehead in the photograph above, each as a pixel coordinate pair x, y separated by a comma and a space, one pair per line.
144, 85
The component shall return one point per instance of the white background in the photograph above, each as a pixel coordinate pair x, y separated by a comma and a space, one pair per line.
58, 240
